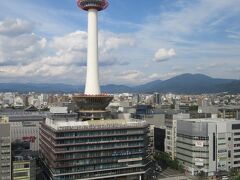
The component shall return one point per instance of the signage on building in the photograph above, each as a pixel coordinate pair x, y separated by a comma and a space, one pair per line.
199, 143
30, 139
199, 162
129, 160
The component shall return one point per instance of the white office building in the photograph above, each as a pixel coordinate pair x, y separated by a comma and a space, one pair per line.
171, 132
208, 145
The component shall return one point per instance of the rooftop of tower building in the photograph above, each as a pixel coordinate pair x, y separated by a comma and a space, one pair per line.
92, 4
73, 124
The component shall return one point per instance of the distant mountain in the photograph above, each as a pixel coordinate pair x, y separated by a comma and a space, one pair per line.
185, 83
149, 87
112, 88
233, 87
191, 83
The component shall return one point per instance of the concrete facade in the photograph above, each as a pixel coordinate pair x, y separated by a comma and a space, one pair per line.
208, 145
97, 149
5, 149
26, 128
171, 133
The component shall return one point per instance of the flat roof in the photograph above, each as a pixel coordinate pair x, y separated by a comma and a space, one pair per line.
208, 120
73, 124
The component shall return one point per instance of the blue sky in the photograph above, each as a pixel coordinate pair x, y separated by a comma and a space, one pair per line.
139, 41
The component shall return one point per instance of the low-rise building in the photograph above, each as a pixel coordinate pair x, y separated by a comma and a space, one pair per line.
23, 161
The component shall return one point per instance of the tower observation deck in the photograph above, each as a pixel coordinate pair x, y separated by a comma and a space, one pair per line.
92, 101
92, 4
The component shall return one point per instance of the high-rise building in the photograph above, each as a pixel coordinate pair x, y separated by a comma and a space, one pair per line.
157, 98
88, 144
5, 149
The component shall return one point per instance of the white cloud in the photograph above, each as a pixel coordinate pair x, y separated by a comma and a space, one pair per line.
162, 76
164, 54
15, 27
18, 44
177, 68
26, 55
130, 75
154, 76
110, 41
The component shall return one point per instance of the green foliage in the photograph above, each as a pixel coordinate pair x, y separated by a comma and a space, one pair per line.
45, 109
193, 108
233, 172
166, 159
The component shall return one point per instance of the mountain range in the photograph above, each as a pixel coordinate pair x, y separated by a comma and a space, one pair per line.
185, 83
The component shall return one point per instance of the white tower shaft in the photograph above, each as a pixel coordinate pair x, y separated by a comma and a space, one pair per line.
92, 82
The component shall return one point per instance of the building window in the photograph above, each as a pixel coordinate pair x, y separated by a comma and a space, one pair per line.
236, 126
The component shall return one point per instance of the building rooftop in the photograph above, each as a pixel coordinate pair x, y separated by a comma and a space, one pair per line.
209, 120
73, 124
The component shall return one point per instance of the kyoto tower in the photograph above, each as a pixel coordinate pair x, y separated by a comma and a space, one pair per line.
92, 102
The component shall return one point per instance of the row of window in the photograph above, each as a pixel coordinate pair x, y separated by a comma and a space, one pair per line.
192, 137
92, 167
100, 174
92, 161
100, 146
101, 154
99, 133
100, 139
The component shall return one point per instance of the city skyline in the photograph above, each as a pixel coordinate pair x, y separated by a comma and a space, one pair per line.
45, 42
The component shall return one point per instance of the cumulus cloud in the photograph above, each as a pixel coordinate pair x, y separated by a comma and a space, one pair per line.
131, 75
26, 54
18, 44
109, 41
72, 49
68, 50
164, 54
15, 27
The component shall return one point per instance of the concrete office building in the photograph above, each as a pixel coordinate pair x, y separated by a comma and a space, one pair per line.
228, 112
5, 149
156, 98
21, 169
97, 149
171, 132
23, 161
26, 127
208, 145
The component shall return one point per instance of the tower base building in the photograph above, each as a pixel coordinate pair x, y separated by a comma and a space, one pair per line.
97, 149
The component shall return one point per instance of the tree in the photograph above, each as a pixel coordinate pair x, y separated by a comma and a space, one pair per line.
201, 175
165, 159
